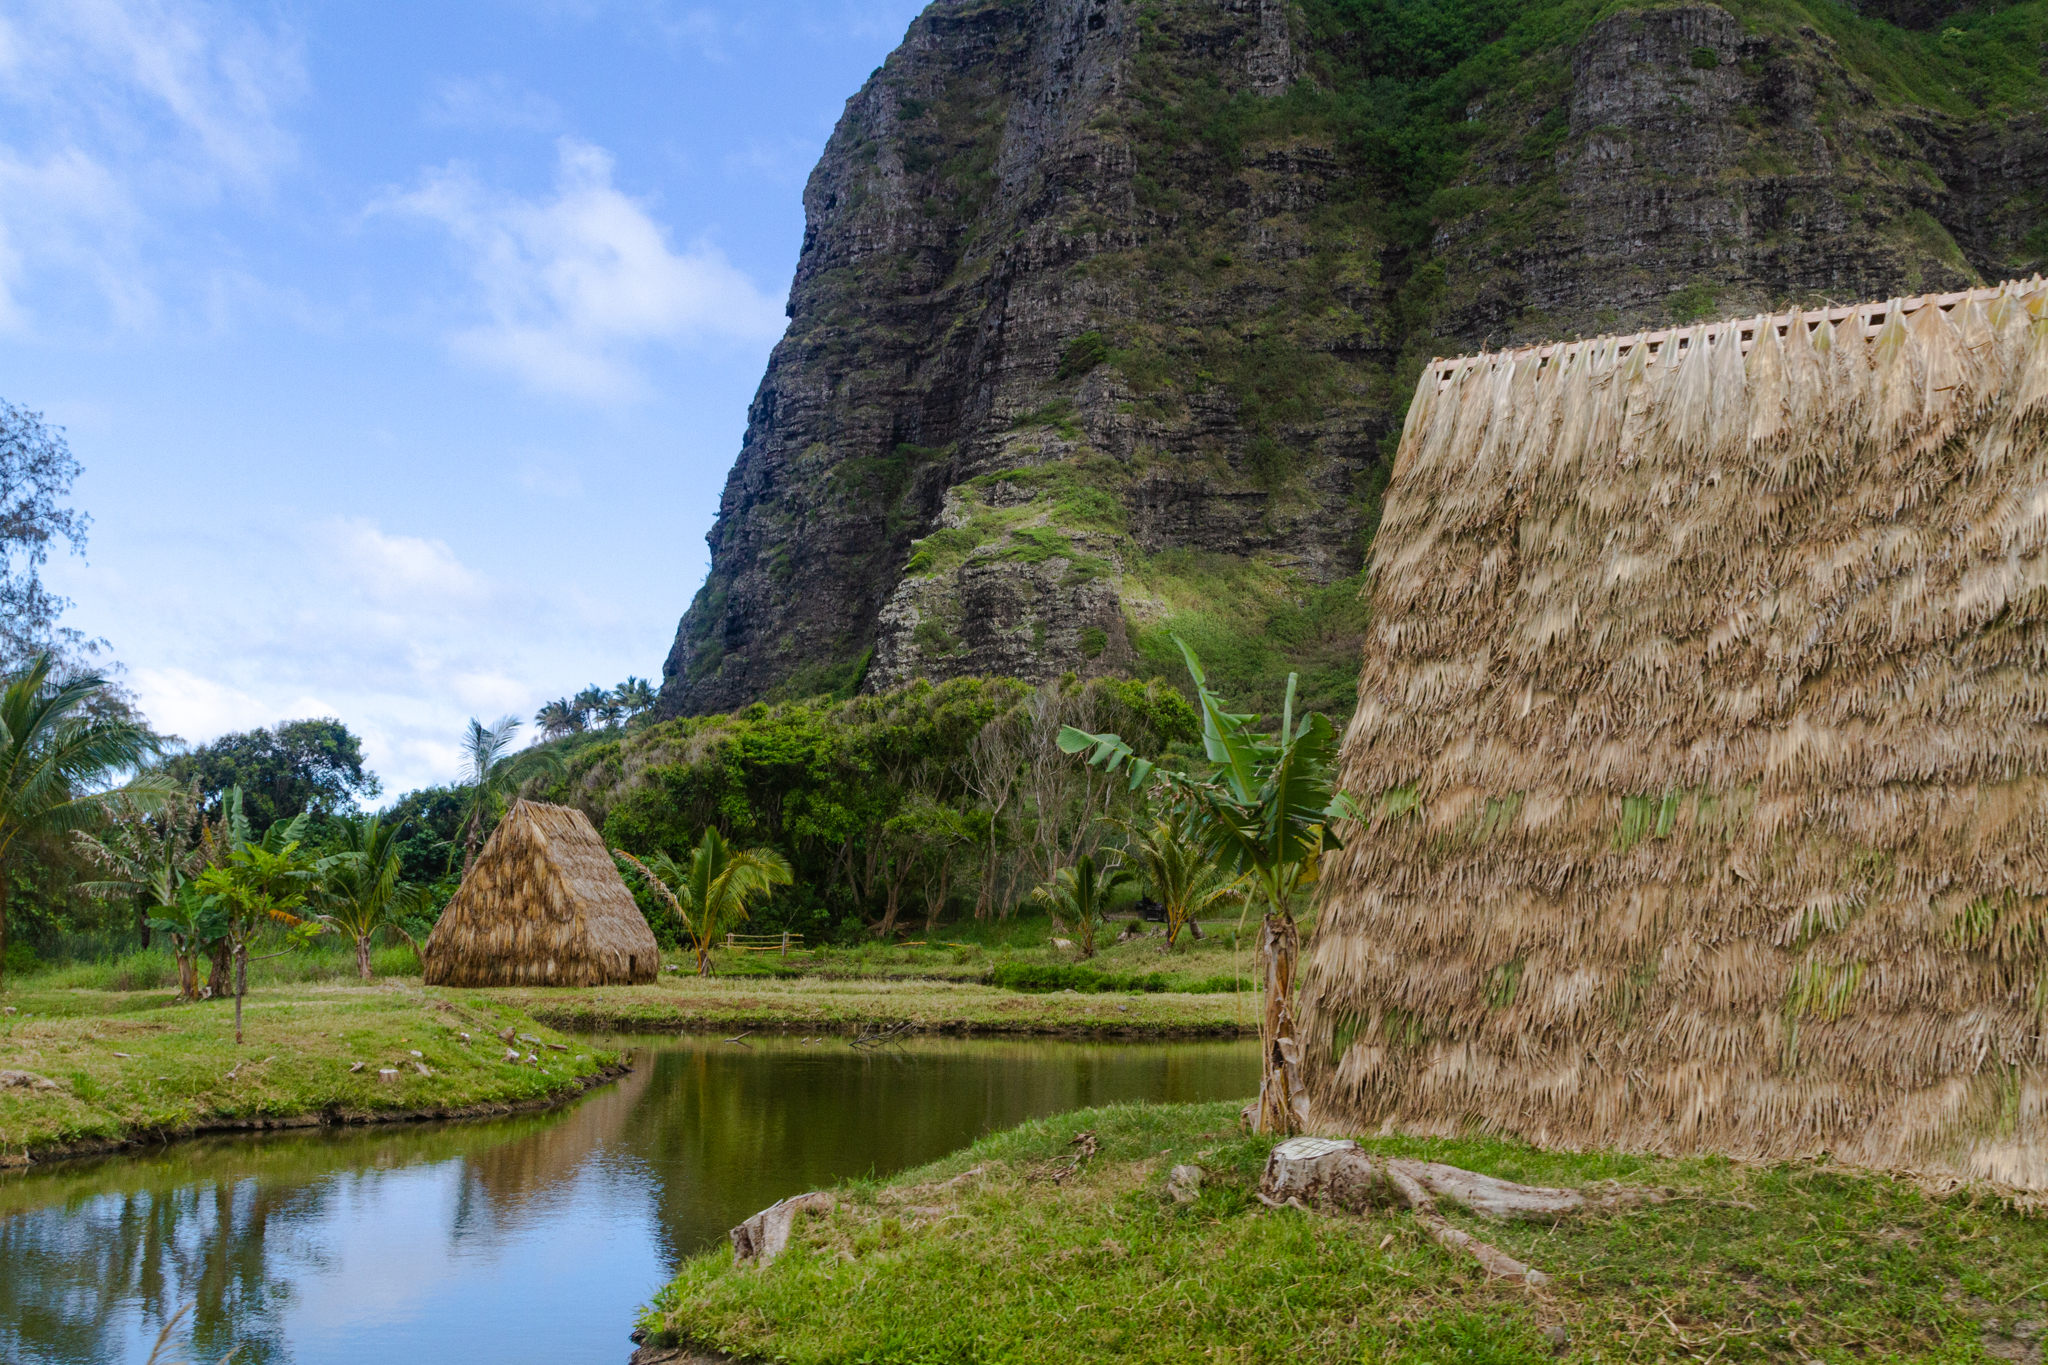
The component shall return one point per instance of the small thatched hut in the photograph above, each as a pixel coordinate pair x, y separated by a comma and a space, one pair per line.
1703, 730
543, 905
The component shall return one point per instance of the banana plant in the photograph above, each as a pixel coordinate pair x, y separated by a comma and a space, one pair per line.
1263, 810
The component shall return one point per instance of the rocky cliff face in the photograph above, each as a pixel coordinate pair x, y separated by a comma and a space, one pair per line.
1105, 309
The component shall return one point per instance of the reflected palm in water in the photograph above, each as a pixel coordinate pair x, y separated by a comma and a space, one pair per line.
527, 1239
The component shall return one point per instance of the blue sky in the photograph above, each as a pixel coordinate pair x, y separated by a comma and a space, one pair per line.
406, 346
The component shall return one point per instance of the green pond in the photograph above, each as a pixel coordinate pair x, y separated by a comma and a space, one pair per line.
529, 1239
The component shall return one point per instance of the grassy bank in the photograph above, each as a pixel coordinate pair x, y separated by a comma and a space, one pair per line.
678, 1003
136, 1063
1797, 1263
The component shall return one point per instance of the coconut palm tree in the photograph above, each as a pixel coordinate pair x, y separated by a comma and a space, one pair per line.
634, 695
589, 702
712, 892
1082, 894
54, 756
362, 888
558, 719
1184, 878
489, 770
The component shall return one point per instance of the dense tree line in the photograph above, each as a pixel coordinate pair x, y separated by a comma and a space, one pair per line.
896, 810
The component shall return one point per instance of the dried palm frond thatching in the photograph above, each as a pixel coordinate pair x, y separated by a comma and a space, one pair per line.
543, 905
1704, 731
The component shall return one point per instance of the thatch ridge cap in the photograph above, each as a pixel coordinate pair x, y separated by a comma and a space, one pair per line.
1872, 314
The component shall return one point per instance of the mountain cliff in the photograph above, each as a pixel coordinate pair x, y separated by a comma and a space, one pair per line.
1107, 310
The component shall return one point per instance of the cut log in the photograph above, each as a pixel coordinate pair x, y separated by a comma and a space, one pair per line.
766, 1235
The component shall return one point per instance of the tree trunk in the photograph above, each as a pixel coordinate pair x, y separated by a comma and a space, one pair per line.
217, 970
241, 986
5, 888
142, 924
363, 957
1283, 1103
188, 973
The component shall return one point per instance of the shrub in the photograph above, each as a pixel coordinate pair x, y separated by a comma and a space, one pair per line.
1083, 354
1705, 59
1058, 976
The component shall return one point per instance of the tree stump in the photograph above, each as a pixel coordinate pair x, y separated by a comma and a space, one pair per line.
766, 1235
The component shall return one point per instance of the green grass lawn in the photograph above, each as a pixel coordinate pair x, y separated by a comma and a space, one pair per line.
138, 1061
1793, 1263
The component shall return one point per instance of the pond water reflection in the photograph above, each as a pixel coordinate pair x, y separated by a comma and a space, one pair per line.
530, 1239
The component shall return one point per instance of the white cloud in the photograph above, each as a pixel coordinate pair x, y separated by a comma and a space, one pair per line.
572, 284
114, 113
490, 102
394, 634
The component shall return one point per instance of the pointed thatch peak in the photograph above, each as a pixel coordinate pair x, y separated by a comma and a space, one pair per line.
543, 905
1704, 734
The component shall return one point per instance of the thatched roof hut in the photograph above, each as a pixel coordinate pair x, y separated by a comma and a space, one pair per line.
543, 905
1704, 733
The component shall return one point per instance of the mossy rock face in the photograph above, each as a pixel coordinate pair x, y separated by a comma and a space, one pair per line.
1110, 309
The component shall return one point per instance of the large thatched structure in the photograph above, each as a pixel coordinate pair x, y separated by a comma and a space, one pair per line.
543, 905
1704, 733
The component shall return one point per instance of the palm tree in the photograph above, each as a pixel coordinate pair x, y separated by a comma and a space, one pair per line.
53, 755
1186, 881
713, 891
489, 770
1083, 893
558, 718
634, 695
363, 890
589, 702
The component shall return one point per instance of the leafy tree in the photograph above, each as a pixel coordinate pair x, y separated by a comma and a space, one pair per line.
54, 759
362, 889
36, 473
312, 767
432, 821
1264, 811
264, 881
711, 894
1184, 878
1083, 894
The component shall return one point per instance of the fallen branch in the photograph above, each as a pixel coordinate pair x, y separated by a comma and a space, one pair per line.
1321, 1172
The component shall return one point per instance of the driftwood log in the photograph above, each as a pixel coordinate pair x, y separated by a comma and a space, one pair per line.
1309, 1173
765, 1236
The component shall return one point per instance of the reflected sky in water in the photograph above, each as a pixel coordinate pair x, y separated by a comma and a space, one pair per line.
530, 1239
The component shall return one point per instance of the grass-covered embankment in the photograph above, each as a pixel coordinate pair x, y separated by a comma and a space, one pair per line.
137, 1064
999, 977
692, 1003
1791, 1263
